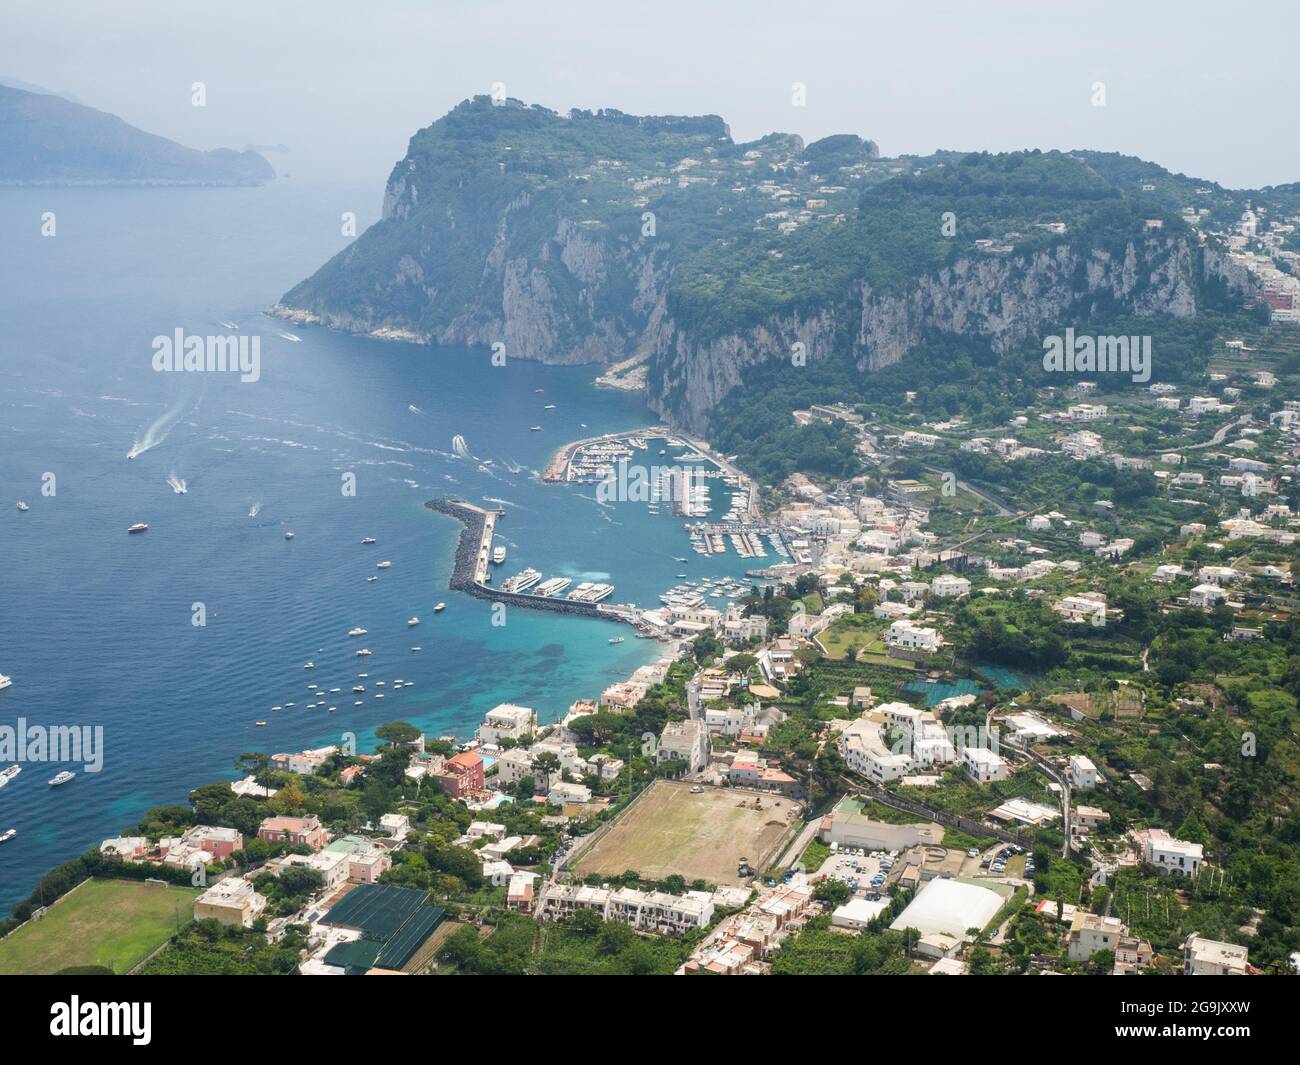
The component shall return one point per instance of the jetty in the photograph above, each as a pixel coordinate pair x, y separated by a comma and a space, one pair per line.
474, 552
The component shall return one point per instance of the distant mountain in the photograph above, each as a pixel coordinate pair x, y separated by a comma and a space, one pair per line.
50, 140
662, 246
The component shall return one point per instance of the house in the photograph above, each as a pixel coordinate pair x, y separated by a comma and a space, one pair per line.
857, 913
305, 762
1090, 933
514, 765
1206, 596
128, 848
562, 793
1208, 957
686, 742
507, 721
646, 911
1169, 855
907, 635
1084, 819
396, 825
983, 765
231, 901
221, 843
948, 586
303, 831
736, 628
1083, 774
461, 775
1132, 955
1088, 607
519, 891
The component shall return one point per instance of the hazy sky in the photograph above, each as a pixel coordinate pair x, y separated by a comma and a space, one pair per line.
1207, 88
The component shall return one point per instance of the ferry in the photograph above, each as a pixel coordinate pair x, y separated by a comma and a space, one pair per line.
591, 592
522, 581
23, 506
61, 778
439, 608
413, 621
5, 682
383, 565
369, 540
499, 554
7, 775
138, 527
553, 586
357, 631
8, 834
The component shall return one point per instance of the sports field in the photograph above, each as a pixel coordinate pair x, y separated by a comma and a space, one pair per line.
114, 923
669, 830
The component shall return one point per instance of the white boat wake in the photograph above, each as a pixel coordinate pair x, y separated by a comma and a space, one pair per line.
253, 510
178, 484
459, 448
161, 426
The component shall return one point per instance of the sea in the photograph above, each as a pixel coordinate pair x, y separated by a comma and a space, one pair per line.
172, 644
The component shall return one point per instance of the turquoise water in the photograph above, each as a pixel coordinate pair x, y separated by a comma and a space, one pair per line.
96, 625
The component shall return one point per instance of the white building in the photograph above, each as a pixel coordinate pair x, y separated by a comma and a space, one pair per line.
507, 721
1169, 855
1083, 774
1089, 607
684, 741
1090, 933
1209, 957
907, 634
948, 586
983, 765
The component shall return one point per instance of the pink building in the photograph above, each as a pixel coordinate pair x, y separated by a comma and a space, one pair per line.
297, 830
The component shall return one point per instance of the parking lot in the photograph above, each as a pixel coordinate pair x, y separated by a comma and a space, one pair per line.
850, 865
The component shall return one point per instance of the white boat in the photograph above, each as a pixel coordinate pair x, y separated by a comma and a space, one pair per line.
413, 621
138, 527
7, 775
5, 682
357, 632
23, 506
616, 639
309, 665
260, 724
382, 565
8, 834
363, 652
499, 554
288, 536
369, 540
372, 577
358, 687
440, 608
417, 648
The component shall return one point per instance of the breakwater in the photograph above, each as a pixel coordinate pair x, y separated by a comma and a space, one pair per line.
475, 544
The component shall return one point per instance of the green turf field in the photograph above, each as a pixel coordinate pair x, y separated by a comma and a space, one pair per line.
114, 923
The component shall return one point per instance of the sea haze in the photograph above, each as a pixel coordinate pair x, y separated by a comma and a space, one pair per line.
96, 625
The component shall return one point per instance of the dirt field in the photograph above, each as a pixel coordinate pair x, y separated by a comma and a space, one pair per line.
704, 836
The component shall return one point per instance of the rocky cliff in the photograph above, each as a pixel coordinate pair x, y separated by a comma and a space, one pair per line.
663, 247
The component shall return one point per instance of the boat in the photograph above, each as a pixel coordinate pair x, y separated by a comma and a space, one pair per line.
5, 682
549, 406
413, 621
358, 687
383, 565
288, 536
372, 577
357, 632
138, 527
260, 724
309, 665
363, 652
369, 540
440, 608
499, 554
553, 586
534, 428
616, 639
7, 775
23, 506
522, 581
8, 834
417, 648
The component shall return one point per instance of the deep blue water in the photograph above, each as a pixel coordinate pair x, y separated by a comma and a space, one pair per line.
95, 625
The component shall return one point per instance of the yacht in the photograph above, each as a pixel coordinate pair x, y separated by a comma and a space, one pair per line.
534, 428
369, 540
499, 554
138, 527
288, 536
413, 621
358, 687
363, 652
357, 632
417, 648
7, 775
8, 834
440, 608
372, 577
309, 665
23, 506
5, 682
260, 724
382, 565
